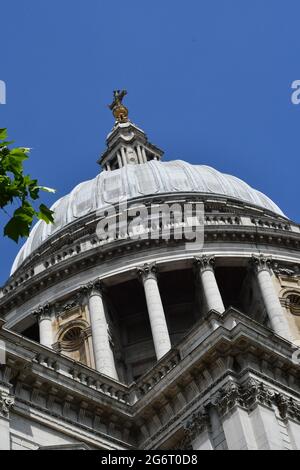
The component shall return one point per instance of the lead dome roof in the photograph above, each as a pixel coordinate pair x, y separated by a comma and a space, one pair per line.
132, 181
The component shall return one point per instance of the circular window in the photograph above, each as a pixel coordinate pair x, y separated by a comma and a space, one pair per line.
294, 304
72, 339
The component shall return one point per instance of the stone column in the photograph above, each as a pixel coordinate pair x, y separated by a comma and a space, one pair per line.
210, 287
119, 160
232, 410
140, 156
144, 155
6, 402
160, 333
270, 297
45, 326
124, 158
104, 358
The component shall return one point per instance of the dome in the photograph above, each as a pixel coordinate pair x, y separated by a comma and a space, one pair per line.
144, 329
132, 181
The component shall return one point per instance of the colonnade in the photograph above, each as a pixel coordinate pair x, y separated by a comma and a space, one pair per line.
103, 351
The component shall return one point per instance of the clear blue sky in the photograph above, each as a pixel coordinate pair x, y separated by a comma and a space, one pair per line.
209, 81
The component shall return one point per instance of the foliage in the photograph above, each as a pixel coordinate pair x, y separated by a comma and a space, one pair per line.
18, 189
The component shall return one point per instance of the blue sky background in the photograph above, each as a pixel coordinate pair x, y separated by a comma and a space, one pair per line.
208, 80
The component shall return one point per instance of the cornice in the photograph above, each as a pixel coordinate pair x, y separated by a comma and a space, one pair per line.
15, 292
217, 209
42, 371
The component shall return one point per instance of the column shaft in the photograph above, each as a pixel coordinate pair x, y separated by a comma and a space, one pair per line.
144, 155
123, 153
140, 156
104, 358
211, 291
159, 328
210, 287
45, 327
272, 304
119, 160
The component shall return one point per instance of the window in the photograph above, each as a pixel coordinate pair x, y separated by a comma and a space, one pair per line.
294, 304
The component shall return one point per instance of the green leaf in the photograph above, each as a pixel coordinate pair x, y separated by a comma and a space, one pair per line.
14, 162
26, 212
5, 143
16, 187
16, 228
3, 134
46, 214
19, 152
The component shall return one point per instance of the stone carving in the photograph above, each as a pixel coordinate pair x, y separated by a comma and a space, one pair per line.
147, 271
96, 285
46, 310
198, 423
43, 312
229, 396
286, 271
6, 402
62, 308
194, 426
287, 407
257, 392
78, 297
205, 262
246, 396
261, 262
186, 442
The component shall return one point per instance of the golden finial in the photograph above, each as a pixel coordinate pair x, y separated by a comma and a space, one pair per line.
120, 111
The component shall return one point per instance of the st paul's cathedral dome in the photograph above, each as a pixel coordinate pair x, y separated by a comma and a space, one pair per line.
132, 181
153, 342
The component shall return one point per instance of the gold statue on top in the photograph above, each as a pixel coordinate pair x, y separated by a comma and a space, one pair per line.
120, 111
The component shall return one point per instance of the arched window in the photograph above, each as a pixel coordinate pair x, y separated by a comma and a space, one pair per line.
294, 304
291, 301
72, 341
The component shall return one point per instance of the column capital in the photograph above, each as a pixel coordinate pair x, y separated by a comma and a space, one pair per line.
261, 263
288, 408
94, 287
6, 403
197, 423
43, 312
147, 271
246, 396
204, 262
228, 397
